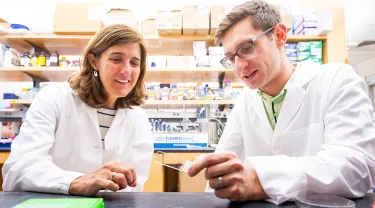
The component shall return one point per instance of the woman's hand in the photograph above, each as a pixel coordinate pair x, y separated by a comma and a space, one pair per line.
113, 176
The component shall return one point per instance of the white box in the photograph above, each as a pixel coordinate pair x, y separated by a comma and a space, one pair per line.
202, 61
325, 24
217, 50
156, 61
181, 140
200, 52
199, 44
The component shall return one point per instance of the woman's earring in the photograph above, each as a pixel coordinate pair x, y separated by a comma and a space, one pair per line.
95, 73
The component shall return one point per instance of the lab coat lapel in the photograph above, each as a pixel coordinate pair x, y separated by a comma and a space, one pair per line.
119, 118
93, 115
295, 96
291, 104
260, 121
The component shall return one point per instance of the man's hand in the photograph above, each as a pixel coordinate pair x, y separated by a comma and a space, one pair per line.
227, 175
113, 176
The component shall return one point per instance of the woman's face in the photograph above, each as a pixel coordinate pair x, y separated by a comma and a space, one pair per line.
119, 68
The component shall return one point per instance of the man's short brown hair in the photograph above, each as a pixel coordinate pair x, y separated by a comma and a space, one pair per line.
89, 88
263, 16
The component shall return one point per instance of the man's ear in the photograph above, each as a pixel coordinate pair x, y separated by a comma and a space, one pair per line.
281, 34
92, 61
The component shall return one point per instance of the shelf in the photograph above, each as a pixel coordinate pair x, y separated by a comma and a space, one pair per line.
299, 38
166, 75
74, 44
11, 75
156, 45
155, 102
189, 102
20, 102
10, 110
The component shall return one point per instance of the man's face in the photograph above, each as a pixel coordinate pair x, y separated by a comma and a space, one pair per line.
260, 70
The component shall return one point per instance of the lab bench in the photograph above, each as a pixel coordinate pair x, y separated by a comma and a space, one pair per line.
162, 179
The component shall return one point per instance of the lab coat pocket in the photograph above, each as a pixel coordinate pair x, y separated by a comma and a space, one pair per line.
306, 141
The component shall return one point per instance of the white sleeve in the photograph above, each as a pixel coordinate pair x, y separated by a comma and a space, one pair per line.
232, 138
345, 165
142, 151
30, 166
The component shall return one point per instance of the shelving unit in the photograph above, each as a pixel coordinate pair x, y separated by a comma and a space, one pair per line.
156, 45
154, 102
60, 74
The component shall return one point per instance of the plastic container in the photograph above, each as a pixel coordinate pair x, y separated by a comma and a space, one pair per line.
34, 60
25, 59
323, 201
18, 26
54, 59
42, 59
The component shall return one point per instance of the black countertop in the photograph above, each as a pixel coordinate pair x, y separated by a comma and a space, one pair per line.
156, 200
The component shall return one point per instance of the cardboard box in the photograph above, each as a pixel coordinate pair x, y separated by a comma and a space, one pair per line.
191, 184
196, 19
148, 27
287, 21
121, 16
4, 26
169, 22
286, 17
78, 18
218, 12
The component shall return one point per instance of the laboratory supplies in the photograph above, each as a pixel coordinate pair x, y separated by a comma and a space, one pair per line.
312, 200
63, 202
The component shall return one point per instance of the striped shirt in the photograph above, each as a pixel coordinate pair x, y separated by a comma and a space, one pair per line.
105, 118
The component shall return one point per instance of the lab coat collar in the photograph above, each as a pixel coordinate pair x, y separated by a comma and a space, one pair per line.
295, 96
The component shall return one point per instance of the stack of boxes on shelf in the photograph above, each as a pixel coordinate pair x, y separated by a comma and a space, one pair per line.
305, 51
312, 23
200, 58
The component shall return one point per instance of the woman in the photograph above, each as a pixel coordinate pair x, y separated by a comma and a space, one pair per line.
89, 134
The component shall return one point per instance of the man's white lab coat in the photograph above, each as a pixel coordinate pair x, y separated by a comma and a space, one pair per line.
324, 140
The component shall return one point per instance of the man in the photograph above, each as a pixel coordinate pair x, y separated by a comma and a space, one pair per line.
293, 130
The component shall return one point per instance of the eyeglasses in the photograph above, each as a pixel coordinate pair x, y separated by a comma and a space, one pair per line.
246, 51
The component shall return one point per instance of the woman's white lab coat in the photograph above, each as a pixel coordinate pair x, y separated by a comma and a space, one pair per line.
324, 140
60, 141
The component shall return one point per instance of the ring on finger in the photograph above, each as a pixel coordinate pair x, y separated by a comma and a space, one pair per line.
221, 184
113, 175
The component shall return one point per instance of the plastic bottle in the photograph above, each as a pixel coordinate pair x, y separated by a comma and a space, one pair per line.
151, 93
174, 92
228, 90
34, 60
42, 59
25, 59
199, 93
54, 59
165, 93
48, 60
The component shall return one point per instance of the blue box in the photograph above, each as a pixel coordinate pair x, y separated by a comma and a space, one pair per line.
7, 96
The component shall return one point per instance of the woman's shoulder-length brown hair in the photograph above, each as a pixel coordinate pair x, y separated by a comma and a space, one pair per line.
89, 88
